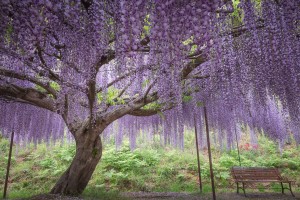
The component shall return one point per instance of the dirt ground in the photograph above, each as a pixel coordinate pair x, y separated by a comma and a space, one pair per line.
220, 196
182, 196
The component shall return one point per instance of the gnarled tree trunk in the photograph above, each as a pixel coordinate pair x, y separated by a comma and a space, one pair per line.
88, 153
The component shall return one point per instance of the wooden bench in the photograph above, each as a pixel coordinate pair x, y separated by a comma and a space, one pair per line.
246, 175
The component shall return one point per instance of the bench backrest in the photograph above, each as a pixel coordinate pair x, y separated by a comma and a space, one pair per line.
255, 173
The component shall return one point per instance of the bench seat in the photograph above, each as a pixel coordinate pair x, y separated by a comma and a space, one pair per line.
258, 174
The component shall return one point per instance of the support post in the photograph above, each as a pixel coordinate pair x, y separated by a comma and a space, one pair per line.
8, 164
198, 158
209, 156
237, 145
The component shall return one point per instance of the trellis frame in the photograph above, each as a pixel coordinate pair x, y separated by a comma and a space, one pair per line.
8, 164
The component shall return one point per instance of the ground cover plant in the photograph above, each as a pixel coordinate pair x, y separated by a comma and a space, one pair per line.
149, 168
94, 69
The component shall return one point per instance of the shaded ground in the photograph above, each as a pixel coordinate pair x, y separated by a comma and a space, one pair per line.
180, 196
220, 196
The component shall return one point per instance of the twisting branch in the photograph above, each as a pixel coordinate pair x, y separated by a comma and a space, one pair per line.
105, 59
121, 110
123, 91
197, 77
193, 65
28, 95
66, 108
43, 73
149, 88
44, 64
121, 78
144, 112
28, 63
13, 74
134, 107
184, 75
91, 93
116, 99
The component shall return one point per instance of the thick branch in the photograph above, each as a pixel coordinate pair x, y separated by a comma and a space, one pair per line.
144, 112
53, 76
122, 110
193, 65
27, 95
12, 74
134, 107
184, 75
106, 58
123, 91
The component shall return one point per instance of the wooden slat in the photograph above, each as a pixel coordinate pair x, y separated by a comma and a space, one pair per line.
256, 174
238, 180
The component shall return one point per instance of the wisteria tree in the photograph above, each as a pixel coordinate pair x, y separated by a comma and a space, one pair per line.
88, 63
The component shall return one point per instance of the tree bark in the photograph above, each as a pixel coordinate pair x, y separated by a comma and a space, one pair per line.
88, 153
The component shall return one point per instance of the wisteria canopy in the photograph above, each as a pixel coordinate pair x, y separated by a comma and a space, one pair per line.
115, 67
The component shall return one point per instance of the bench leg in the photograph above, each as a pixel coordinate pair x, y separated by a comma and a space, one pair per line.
237, 188
282, 188
289, 188
244, 188
290, 185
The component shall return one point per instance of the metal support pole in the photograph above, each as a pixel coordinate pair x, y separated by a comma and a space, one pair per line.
8, 164
237, 145
209, 156
198, 159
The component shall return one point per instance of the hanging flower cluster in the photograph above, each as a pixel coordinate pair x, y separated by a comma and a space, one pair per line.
84, 59
41, 126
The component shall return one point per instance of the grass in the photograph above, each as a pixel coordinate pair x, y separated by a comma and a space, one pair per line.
150, 167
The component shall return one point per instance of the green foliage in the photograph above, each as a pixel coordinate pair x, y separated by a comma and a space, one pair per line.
123, 160
55, 85
147, 26
4, 145
153, 105
236, 15
148, 168
9, 32
167, 172
111, 97
227, 161
186, 98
